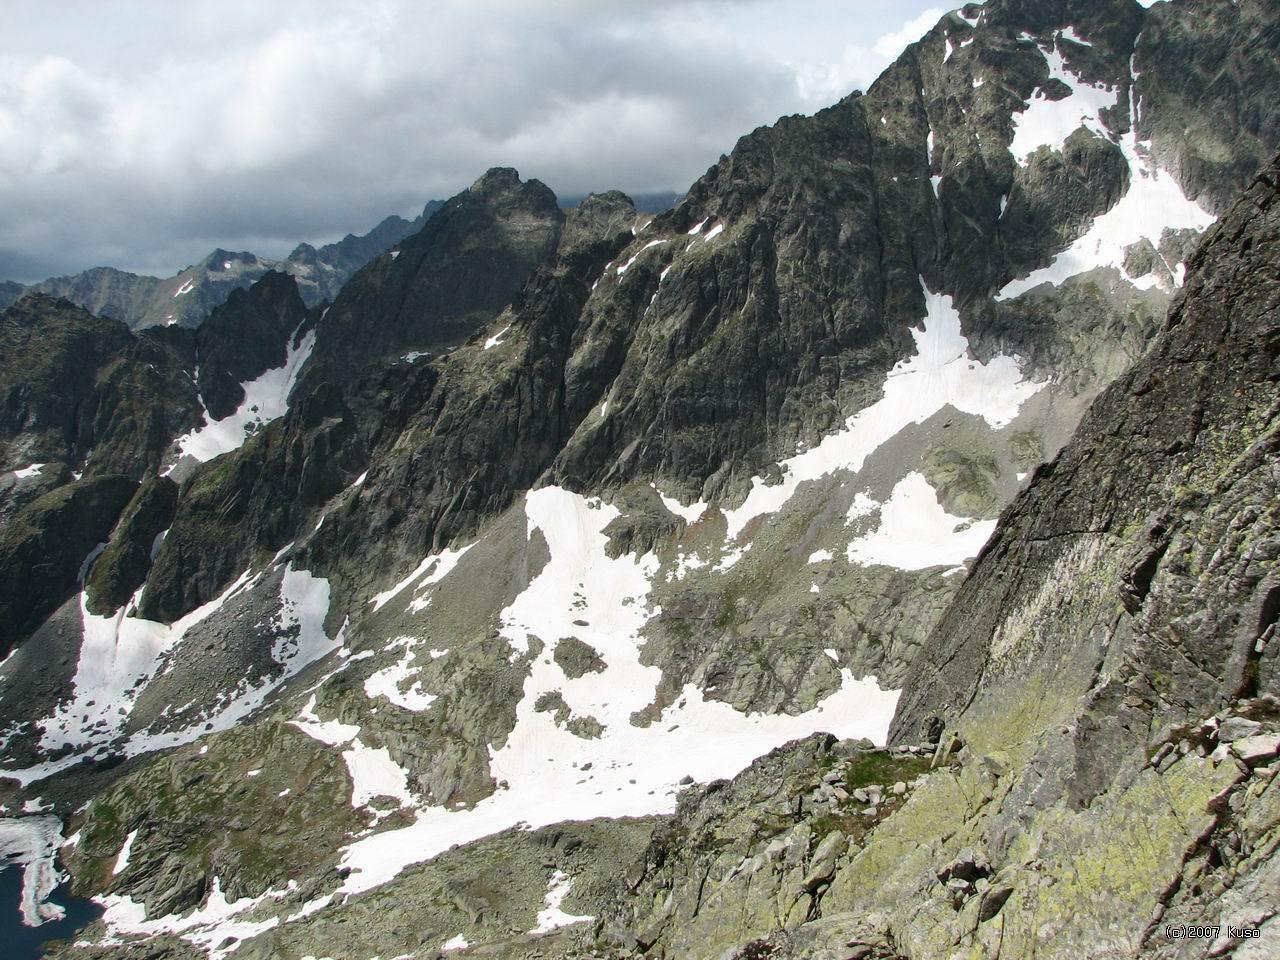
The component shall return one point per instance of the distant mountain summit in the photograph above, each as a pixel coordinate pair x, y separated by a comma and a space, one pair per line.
187, 298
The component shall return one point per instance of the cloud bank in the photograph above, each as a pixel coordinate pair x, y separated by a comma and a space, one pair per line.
141, 135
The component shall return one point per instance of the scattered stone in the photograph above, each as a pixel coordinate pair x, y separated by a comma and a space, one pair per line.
1257, 750
992, 901
1237, 728
969, 866
824, 861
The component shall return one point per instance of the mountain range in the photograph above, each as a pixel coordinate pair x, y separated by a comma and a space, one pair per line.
187, 298
873, 555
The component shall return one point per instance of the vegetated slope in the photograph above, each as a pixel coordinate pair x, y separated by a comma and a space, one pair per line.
640, 499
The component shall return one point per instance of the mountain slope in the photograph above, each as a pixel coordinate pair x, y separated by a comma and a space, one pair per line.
1102, 691
565, 512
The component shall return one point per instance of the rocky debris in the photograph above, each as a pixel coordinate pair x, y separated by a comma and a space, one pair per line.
577, 658
1256, 750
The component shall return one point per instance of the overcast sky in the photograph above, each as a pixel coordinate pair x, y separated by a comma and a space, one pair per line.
142, 135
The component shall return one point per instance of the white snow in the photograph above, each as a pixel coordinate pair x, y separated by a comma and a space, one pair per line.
1152, 203
330, 732
496, 339
1069, 33
713, 233
541, 763
120, 654
551, 917
122, 858
690, 514
27, 472
971, 22
915, 532
439, 564
389, 681
820, 556
940, 374
830, 652
862, 506
1047, 122
32, 843
949, 50
184, 289
978, 81
459, 942
206, 927
394, 254
226, 264
627, 266
265, 399
375, 774
697, 228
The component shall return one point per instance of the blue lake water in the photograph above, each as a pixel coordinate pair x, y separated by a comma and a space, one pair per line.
20, 942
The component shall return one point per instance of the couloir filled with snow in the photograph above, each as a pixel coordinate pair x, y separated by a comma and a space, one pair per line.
266, 398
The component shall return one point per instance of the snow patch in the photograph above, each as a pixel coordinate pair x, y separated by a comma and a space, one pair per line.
1046, 122
27, 472
627, 266
551, 917
916, 533
122, 858
820, 556
265, 399
435, 567
629, 770
1152, 203
389, 681
690, 514
184, 289
207, 927
496, 339
940, 374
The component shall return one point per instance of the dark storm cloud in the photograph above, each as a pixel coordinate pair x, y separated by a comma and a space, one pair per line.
142, 135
